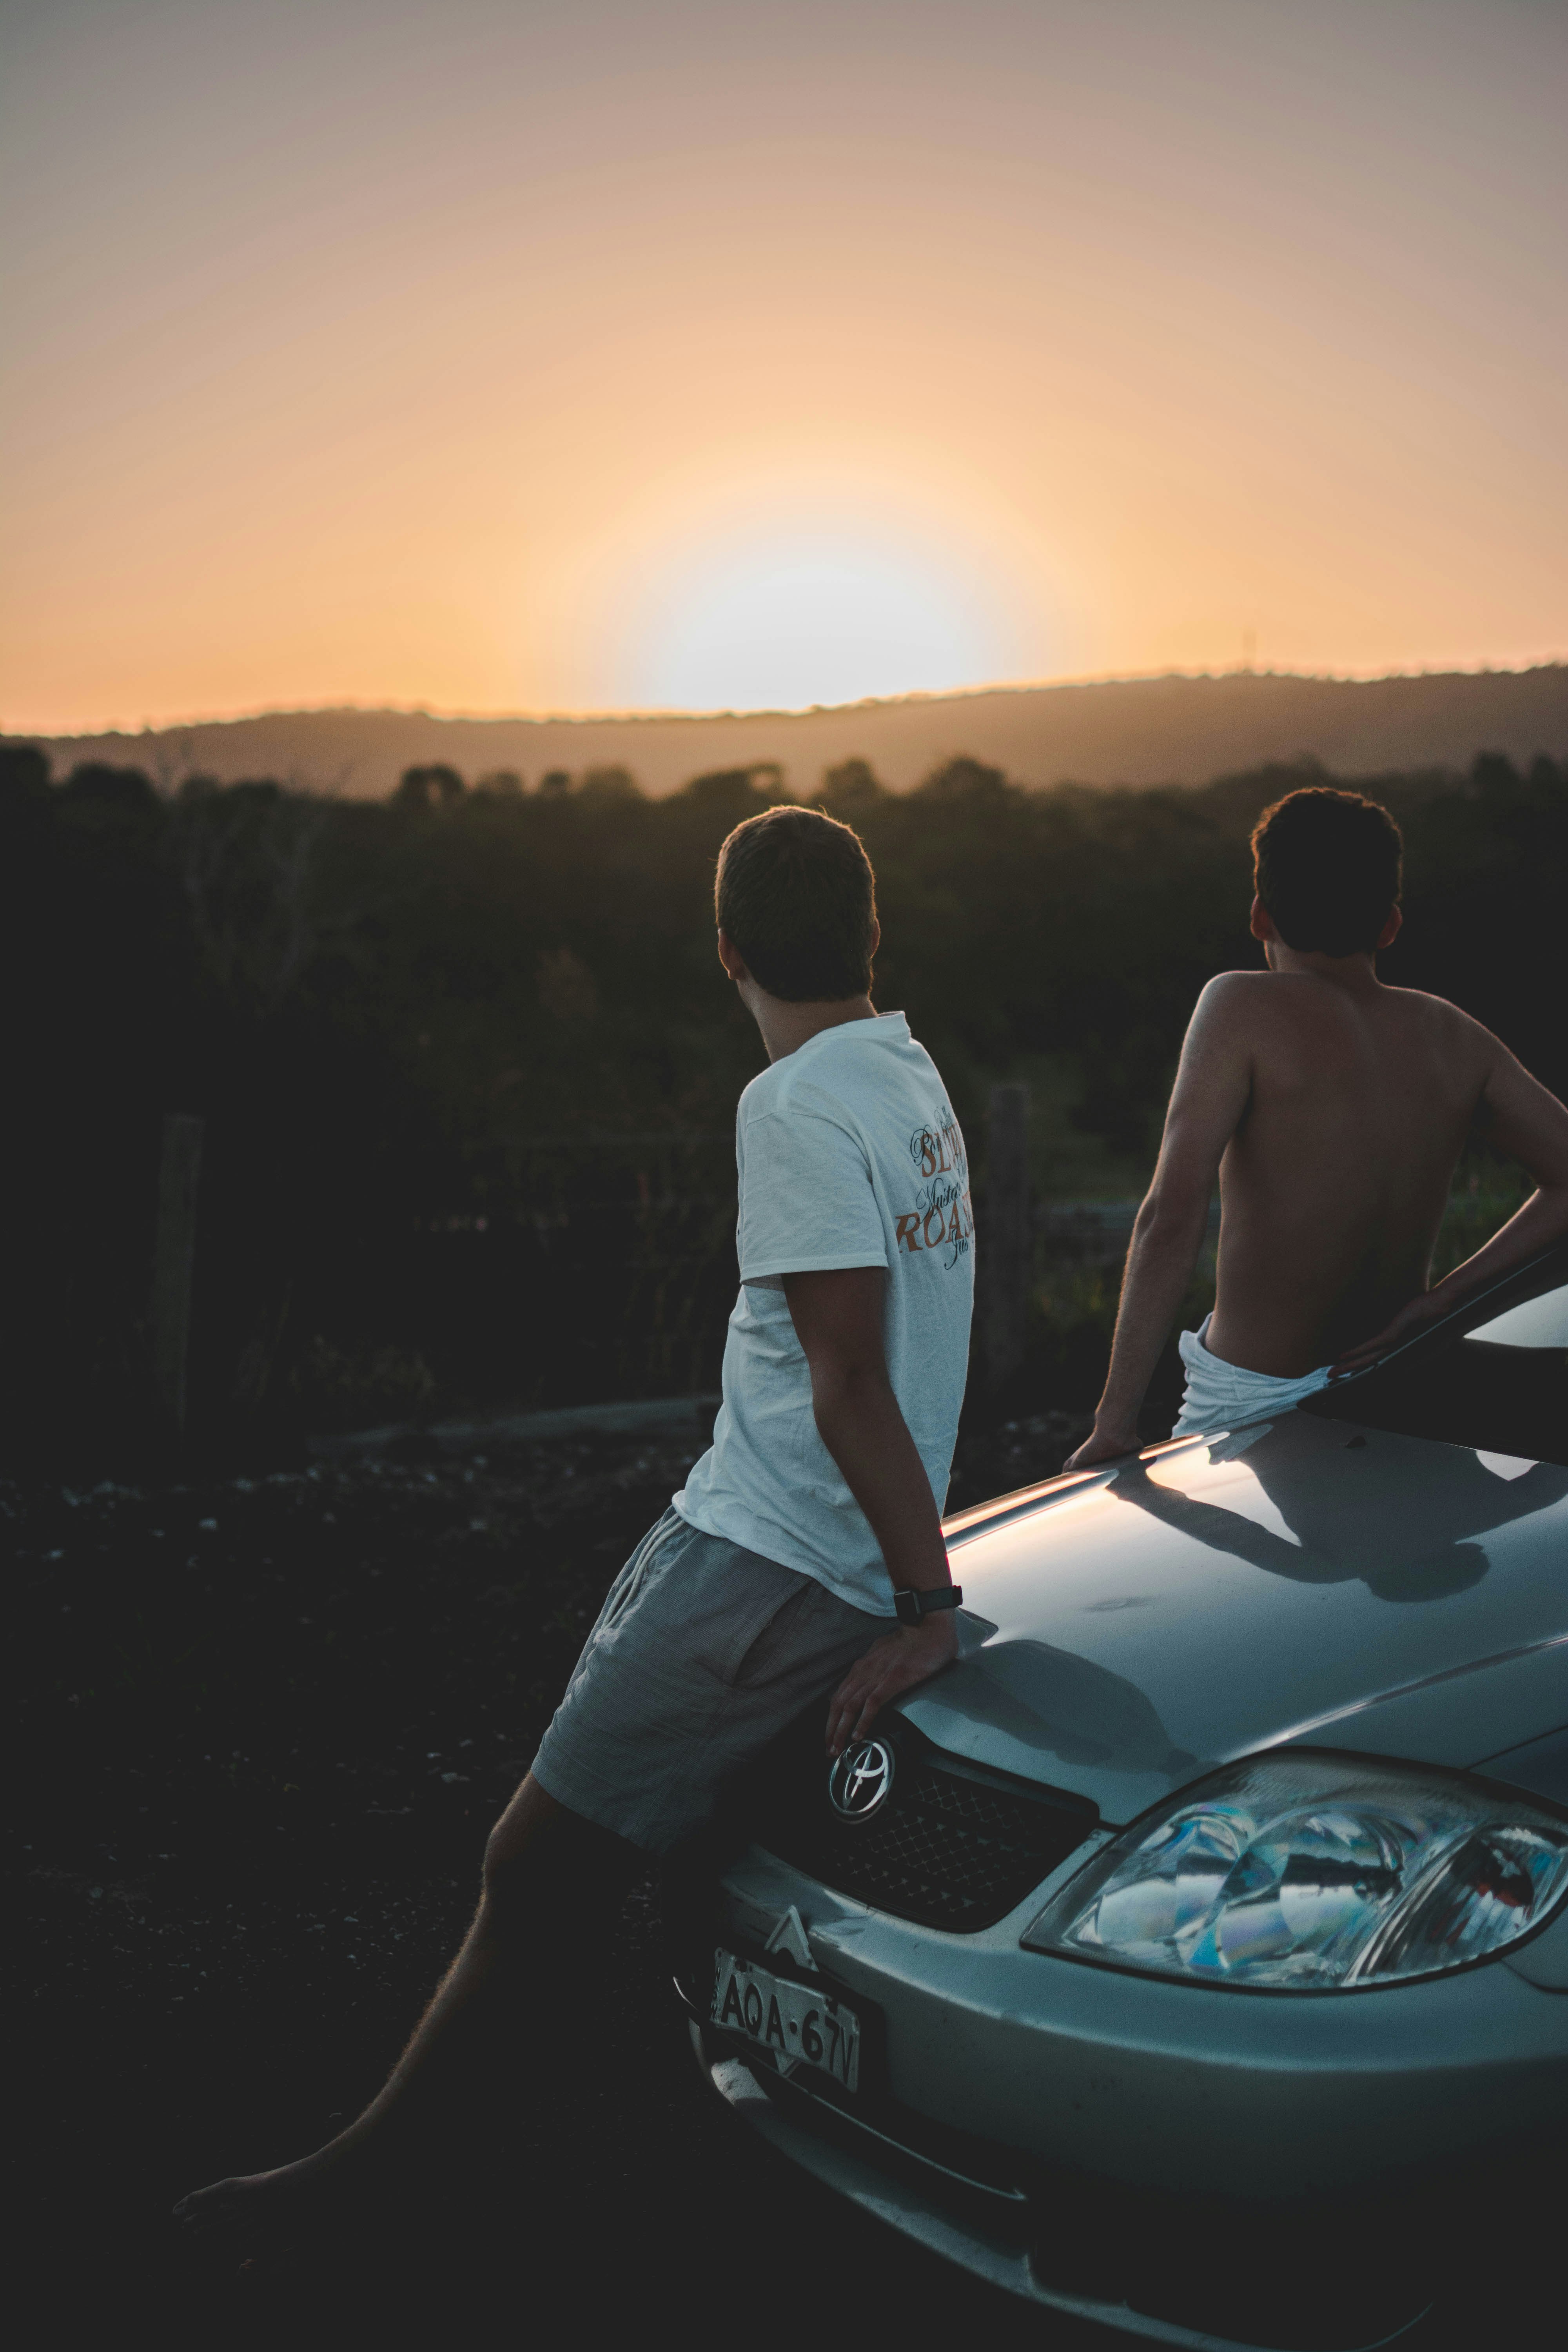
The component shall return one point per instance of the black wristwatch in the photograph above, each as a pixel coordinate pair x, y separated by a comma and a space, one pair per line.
913, 1606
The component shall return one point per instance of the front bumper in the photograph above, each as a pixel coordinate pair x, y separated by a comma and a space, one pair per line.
1035, 2113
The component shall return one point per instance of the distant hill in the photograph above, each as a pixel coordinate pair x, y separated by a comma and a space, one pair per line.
1146, 730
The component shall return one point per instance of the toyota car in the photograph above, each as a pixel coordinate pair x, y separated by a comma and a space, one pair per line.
1192, 1955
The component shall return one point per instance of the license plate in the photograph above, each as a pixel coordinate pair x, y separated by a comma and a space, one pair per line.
799, 2023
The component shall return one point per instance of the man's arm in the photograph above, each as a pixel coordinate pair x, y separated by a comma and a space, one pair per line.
837, 1319
1207, 1102
1518, 1115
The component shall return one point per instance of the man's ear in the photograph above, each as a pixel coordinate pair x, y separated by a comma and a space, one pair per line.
1261, 923
1390, 930
730, 956
876, 940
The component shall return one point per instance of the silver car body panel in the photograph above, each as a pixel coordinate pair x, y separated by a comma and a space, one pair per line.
924, 2211
1302, 1581
1157, 2084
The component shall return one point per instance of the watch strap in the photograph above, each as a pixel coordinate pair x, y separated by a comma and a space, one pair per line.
914, 1607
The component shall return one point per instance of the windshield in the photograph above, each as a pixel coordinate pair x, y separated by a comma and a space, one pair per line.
1494, 1376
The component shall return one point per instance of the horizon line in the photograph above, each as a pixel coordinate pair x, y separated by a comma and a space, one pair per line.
657, 714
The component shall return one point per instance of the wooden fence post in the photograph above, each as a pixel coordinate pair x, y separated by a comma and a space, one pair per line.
1006, 1238
174, 1265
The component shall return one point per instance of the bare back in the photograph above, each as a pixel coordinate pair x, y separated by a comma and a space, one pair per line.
1334, 1180
1331, 1110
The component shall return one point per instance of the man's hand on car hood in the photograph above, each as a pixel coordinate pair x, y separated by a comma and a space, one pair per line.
896, 1663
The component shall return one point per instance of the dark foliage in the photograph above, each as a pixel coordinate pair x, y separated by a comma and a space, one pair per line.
469, 1064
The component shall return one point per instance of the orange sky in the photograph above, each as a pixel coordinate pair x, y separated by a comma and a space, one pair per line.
497, 356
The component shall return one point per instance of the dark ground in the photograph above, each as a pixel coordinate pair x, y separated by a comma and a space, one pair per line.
265, 1723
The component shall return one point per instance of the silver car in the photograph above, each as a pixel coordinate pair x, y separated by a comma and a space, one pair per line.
1192, 1954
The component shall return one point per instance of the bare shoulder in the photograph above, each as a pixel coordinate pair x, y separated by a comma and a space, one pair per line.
1231, 998
1459, 1032
1249, 1004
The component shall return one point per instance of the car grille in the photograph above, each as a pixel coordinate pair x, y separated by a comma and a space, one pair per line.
953, 1845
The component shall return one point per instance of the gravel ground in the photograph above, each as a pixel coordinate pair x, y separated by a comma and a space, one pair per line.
265, 1723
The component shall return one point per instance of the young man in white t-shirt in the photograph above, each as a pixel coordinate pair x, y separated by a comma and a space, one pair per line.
803, 1560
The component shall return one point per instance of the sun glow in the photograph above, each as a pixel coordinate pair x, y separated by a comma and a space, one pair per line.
809, 619
591, 358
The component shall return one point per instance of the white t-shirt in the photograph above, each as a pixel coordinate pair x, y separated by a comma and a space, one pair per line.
848, 1154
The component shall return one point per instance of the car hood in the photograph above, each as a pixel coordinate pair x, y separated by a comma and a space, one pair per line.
1304, 1581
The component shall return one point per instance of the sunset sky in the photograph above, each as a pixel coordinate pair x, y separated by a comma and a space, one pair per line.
608, 354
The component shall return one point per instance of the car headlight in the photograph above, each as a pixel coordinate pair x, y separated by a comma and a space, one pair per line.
1311, 1873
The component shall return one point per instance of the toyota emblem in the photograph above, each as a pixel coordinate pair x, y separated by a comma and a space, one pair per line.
859, 1783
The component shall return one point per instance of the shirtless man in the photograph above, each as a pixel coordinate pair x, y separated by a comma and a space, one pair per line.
1334, 1110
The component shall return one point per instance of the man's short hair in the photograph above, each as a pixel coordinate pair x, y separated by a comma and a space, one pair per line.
1328, 870
795, 894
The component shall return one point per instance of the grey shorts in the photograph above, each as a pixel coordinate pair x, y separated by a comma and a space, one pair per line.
703, 1653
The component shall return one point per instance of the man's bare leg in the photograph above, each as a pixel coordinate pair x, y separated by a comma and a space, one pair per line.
536, 1851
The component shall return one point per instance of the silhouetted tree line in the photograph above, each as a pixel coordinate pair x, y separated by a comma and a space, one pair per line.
468, 1062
